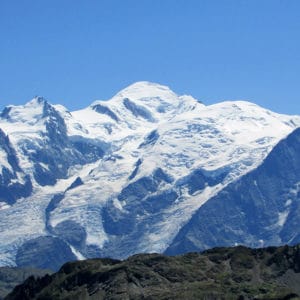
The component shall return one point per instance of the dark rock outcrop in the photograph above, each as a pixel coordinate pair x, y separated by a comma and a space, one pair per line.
44, 252
101, 109
10, 277
138, 110
11, 188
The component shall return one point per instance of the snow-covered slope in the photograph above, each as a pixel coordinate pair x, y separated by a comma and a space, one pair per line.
124, 175
260, 208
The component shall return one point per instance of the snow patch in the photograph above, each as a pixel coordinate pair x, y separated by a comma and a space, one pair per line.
282, 217
78, 255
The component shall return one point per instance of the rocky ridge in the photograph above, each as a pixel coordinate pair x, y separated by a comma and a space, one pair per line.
220, 273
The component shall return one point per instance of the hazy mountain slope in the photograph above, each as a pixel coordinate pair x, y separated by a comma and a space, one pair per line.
221, 273
11, 277
260, 208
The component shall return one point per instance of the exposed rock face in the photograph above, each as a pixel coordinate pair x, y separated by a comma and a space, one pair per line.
10, 187
45, 252
221, 273
261, 207
72, 233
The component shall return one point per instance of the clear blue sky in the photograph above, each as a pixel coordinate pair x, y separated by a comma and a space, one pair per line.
74, 52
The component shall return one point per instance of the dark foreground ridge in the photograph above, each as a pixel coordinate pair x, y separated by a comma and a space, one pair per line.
220, 273
11, 276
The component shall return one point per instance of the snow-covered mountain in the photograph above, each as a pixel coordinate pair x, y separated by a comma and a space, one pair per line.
260, 208
121, 176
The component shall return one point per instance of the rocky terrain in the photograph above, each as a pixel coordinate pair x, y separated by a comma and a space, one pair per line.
10, 277
220, 273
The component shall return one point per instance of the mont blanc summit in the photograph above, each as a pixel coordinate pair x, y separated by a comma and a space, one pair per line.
145, 171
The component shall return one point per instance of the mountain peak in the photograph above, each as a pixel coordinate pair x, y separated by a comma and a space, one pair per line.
30, 112
37, 100
145, 89
158, 99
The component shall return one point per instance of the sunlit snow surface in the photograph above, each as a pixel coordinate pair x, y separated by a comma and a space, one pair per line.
232, 137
